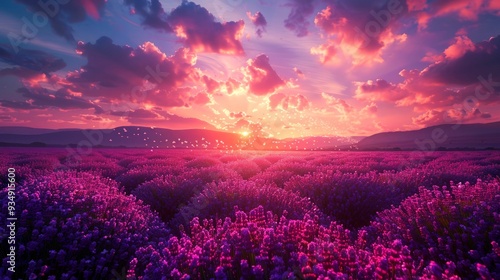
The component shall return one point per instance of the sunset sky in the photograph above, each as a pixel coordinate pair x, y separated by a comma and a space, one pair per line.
285, 68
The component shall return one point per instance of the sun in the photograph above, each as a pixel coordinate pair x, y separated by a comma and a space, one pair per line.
245, 133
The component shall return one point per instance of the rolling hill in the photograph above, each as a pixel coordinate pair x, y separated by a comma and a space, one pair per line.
447, 136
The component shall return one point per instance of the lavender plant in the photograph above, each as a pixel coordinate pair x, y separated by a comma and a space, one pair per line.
74, 225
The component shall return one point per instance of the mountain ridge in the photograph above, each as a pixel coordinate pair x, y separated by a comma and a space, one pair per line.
444, 136
149, 137
439, 137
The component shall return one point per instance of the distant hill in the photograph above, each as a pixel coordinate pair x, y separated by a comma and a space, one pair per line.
128, 136
21, 130
440, 137
147, 137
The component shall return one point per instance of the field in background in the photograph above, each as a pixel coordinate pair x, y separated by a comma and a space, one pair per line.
137, 214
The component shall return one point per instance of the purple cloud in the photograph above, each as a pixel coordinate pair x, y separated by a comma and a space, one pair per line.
297, 19
261, 76
199, 30
152, 13
40, 98
60, 16
113, 70
481, 59
29, 63
159, 117
259, 21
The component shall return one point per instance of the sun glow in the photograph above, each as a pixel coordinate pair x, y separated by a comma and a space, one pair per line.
245, 133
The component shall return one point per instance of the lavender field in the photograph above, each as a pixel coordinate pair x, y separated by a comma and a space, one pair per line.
179, 214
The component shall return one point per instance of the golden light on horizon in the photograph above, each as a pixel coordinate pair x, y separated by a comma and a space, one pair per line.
245, 133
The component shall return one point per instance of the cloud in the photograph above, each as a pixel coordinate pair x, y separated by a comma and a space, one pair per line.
152, 13
430, 118
454, 115
468, 10
158, 117
462, 79
115, 76
326, 52
29, 63
299, 72
113, 71
297, 20
371, 108
280, 100
259, 21
174, 97
261, 77
231, 85
360, 30
202, 98
276, 99
138, 114
60, 16
462, 45
379, 90
41, 98
416, 5
464, 62
9, 119
424, 94
338, 105
198, 30
238, 115
211, 84
193, 24
94, 118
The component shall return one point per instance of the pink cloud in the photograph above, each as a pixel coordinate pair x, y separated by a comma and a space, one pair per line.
454, 115
429, 118
198, 30
285, 102
194, 25
466, 62
299, 72
231, 85
336, 104
158, 117
465, 10
261, 77
151, 12
452, 88
275, 100
299, 102
362, 30
113, 71
360, 35
371, 108
462, 45
416, 5
70, 12
174, 97
379, 90
211, 84
201, 98
297, 19
41, 98
259, 21
28, 64
237, 115
326, 51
